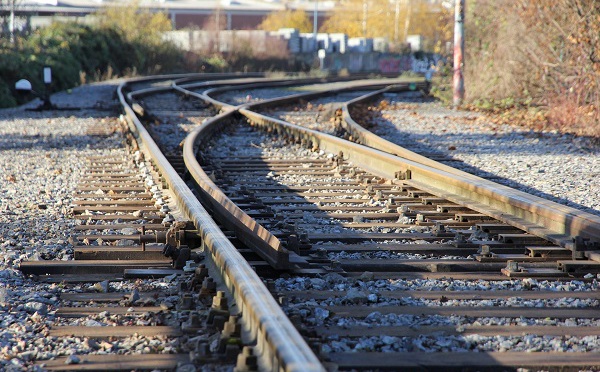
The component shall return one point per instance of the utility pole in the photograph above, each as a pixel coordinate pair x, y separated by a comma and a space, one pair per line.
459, 49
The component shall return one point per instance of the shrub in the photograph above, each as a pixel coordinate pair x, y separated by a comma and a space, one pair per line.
536, 53
76, 53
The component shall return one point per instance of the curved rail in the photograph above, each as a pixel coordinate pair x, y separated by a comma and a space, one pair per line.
557, 218
279, 344
278, 341
557, 223
258, 238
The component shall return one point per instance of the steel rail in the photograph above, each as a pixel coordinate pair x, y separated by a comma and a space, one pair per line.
557, 223
246, 228
191, 82
279, 345
255, 85
229, 214
239, 83
225, 86
576, 223
368, 138
255, 236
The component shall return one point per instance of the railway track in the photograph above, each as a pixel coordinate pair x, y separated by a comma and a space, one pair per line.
372, 257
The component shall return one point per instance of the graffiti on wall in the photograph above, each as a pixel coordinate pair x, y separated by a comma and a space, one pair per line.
407, 63
355, 63
395, 64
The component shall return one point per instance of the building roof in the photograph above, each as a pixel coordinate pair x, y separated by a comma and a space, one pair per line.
256, 5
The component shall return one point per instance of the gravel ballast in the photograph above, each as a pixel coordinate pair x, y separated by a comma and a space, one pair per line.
511, 155
43, 158
41, 154
561, 167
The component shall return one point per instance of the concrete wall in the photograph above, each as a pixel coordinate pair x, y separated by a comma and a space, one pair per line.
375, 62
359, 57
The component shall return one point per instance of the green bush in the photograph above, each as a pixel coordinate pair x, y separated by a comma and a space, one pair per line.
75, 51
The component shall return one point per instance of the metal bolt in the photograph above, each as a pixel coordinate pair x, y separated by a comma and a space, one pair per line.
220, 301
336, 265
485, 250
186, 302
512, 266
303, 237
246, 360
232, 328
208, 286
201, 272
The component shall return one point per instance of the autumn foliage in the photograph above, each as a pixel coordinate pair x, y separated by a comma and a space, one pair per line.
287, 19
394, 20
541, 54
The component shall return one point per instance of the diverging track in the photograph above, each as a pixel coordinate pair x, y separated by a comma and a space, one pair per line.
362, 227
311, 244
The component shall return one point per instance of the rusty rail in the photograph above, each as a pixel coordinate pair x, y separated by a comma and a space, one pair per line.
279, 345
559, 224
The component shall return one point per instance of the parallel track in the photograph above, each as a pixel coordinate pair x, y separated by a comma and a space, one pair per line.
446, 209
344, 236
